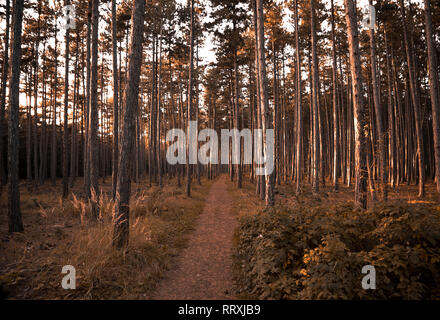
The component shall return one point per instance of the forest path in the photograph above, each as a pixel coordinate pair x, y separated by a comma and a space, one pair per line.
204, 268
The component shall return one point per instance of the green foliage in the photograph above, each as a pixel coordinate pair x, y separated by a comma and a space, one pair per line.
319, 253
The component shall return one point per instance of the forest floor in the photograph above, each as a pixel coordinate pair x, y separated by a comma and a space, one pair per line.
180, 247
248, 203
59, 233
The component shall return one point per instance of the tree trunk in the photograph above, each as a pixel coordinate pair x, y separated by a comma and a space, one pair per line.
115, 103
315, 99
122, 209
298, 105
336, 155
5, 71
378, 110
264, 101
87, 111
159, 111
434, 89
190, 98
53, 150
358, 106
35, 126
66, 110
93, 115
391, 132
14, 214
237, 167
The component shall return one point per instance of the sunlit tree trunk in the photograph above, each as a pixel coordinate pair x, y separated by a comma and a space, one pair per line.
298, 105
264, 100
115, 151
315, 103
66, 111
391, 131
358, 106
434, 89
93, 115
87, 111
336, 156
159, 111
378, 109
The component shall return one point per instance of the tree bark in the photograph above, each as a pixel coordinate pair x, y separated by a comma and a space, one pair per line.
264, 100
358, 106
14, 214
5, 70
93, 115
115, 152
434, 89
87, 111
336, 156
315, 103
378, 109
122, 209
53, 150
299, 137
190, 98
66, 110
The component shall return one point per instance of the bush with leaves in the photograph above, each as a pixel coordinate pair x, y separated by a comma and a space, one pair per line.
318, 253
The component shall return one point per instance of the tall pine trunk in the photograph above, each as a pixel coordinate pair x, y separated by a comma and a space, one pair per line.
378, 110
115, 151
93, 115
298, 105
14, 214
264, 100
122, 209
66, 110
87, 111
53, 150
315, 103
434, 89
5, 71
358, 106
336, 156
190, 98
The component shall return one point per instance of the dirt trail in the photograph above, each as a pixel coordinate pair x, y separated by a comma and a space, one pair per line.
204, 267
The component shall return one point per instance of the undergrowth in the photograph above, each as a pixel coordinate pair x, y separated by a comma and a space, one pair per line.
318, 253
160, 220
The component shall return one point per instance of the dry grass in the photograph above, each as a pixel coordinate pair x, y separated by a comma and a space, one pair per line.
58, 234
246, 202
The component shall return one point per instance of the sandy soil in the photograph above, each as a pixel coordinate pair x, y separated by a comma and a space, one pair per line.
204, 268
